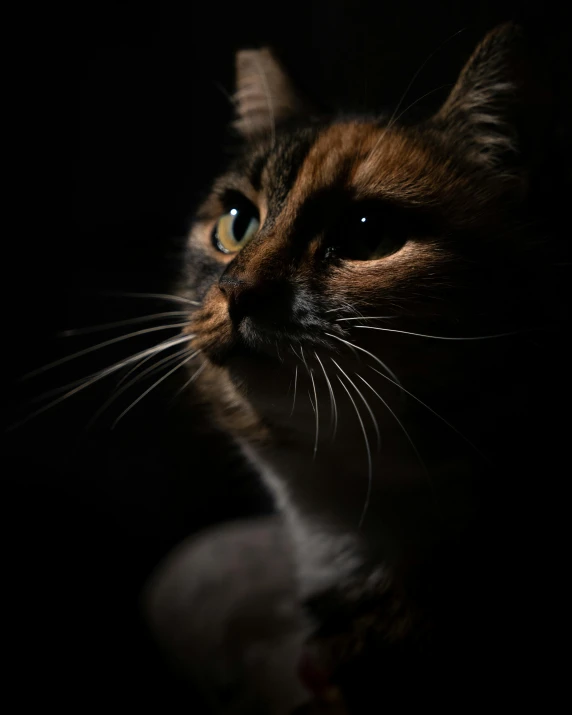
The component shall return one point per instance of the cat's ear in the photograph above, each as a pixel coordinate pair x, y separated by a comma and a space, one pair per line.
264, 93
479, 114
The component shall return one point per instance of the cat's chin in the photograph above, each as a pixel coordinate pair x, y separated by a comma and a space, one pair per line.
237, 351
248, 341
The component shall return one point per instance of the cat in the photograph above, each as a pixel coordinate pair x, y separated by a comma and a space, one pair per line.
367, 294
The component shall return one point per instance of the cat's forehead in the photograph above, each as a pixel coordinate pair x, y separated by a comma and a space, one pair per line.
367, 159
363, 158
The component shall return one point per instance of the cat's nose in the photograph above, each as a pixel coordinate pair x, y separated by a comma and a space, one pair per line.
262, 299
245, 298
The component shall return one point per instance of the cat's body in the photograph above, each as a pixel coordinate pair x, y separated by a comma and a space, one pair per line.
394, 501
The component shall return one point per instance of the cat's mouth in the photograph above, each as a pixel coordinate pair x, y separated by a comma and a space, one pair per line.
227, 342
218, 337
222, 339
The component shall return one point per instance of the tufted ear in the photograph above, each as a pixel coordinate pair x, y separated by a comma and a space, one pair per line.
478, 116
264, 93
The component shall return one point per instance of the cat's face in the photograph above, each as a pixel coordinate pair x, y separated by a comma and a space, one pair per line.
320, 222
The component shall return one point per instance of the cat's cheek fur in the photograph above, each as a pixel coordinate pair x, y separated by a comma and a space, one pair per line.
371, 282
211, 326
230, 408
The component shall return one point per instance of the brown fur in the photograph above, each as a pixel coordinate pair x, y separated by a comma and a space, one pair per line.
370, 162
471, 264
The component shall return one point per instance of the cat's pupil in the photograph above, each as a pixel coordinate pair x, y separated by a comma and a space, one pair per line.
369, 236
242, 219
369, 230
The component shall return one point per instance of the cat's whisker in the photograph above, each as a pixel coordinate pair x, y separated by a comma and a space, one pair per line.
295, 387
300, 356
317, 414
419, 99
304, 359
468, 441
333, 406
157, 296
417, 454
120, 323
420, 69
368, 317
278, 353
135, 367
142, 356
153, 386
371, 355
193, 377
368, 450
398, 306
148, 371
314, 407
349, 345
411, 81
100, 375
365, 402
154, 367
345, 306
350, 308
311, 402
99, 346
439, 337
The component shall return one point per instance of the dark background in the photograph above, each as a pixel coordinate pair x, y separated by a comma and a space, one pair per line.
124, 109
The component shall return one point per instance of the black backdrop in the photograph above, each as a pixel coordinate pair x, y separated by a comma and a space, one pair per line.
126, 107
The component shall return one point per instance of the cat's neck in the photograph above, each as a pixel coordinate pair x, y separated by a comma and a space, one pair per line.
344, 516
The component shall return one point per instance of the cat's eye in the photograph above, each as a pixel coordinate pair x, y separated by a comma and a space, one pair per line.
235, 228
369, 231
374, 238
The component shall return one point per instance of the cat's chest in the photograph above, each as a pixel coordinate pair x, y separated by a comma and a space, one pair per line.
343, 519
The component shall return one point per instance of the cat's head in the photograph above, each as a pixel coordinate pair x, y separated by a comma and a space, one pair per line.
320, 221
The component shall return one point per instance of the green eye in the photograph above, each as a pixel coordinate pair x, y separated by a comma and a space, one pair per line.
235, 229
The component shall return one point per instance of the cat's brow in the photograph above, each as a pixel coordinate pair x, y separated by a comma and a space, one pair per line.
256, 168
277, 169
235, 182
